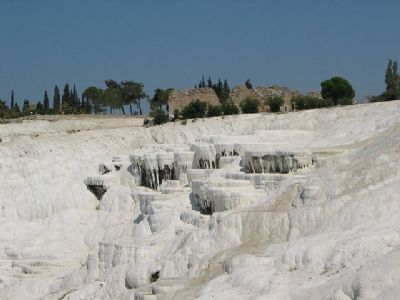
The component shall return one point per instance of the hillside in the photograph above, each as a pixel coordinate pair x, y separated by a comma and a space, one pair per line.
303, 205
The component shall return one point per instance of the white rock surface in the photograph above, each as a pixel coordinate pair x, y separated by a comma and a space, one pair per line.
304, 205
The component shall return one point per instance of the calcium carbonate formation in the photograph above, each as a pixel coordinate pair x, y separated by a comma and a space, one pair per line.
303, 205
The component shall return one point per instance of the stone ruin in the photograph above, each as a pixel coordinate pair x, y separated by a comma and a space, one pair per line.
179, 99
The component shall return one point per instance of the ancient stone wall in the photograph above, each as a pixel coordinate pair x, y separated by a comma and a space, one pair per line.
239, 93
179, 99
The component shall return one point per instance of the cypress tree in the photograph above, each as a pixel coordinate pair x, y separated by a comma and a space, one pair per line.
248, 84
389, 76
66, 99
46, 103
225, 91
56, 100
12, 99
209, 82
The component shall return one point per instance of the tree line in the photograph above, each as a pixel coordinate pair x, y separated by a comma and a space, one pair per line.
93, 100
117, 95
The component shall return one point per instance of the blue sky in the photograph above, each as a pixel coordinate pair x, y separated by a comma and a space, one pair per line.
173, 43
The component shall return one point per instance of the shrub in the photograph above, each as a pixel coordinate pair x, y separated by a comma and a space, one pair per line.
275, 103
309, 102
214, 111
250, 105
195, 109
160, 116
230, 108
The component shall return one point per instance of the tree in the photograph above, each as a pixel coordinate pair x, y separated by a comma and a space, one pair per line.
209, 82
26, 108
12, 99
392, 80
250, 105
75, 101
337, 88
195, 109
3, 109
160, 98
224, 95
202, 83
139, 94
46, 103
66, 100
94, 98
39, 109
112, 97
275, 103
248, 84
56, 100
132, 93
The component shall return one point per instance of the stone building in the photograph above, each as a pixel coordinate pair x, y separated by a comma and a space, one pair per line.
179, 99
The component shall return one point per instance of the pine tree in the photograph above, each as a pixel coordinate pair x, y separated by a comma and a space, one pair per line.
202, 83
46, 103
12, 99
209, 82
56, 100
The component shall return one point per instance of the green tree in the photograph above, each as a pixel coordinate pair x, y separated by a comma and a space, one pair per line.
26, 108
39, 109
195, 109
337, 88
12, 99
392, 80
56, 100
224, 95
66, 105
248, 84
46, 104
275, 103
113, 95
250, 105
94, 99
209, 82
160, 98
133, 93
4, 110
75, 101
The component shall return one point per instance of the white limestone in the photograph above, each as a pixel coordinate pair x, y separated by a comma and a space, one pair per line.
303, 205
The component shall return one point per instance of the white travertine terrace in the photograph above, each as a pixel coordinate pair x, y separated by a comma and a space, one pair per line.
303, 205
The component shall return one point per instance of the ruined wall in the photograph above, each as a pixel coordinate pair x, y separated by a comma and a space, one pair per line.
240, 92
179, 99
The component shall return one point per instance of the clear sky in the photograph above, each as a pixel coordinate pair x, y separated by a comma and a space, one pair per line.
173, 43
